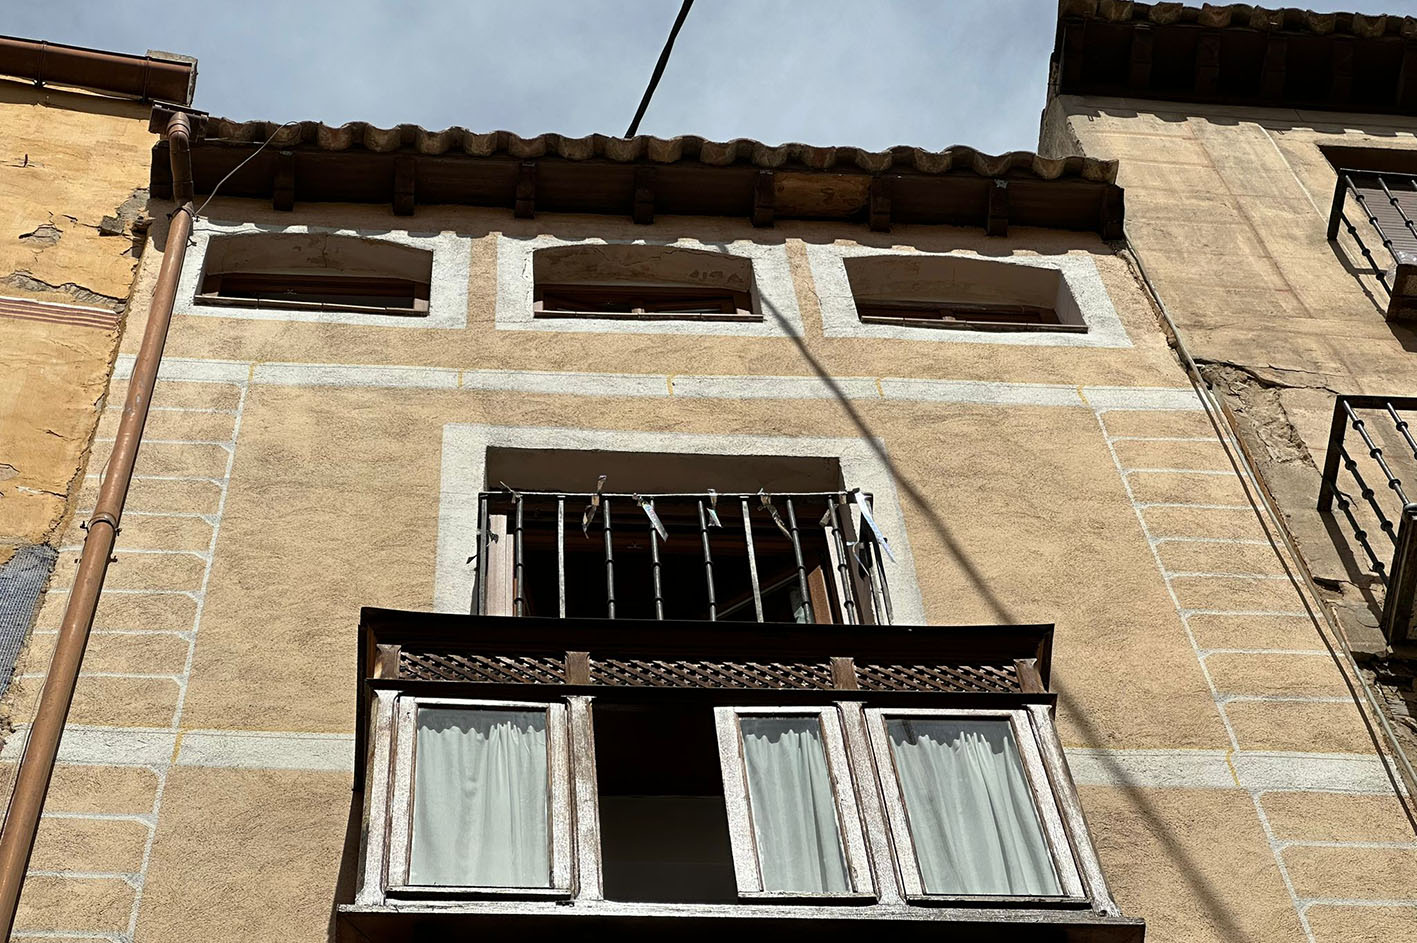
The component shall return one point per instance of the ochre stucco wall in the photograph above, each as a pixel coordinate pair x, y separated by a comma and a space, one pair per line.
1079, 486
73, 179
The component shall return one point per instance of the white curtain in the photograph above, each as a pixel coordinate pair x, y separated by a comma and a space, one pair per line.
972, 817
792, 805
480, 799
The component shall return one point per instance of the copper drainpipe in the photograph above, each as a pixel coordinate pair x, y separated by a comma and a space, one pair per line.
42, 744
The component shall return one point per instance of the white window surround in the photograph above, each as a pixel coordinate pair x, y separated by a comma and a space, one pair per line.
774, 294
1079, 272
464, 473
447, 296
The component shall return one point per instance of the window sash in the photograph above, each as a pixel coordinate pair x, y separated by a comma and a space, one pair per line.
1035, 775
314, 291
746, 860
558, 819
649, 302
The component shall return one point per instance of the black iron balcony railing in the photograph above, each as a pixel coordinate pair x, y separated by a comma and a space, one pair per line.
1395, 515
802, 557
1388, 202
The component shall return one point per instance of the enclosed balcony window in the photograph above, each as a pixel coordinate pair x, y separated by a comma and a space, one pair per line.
315, 272
486, 783
642, 282
961, 293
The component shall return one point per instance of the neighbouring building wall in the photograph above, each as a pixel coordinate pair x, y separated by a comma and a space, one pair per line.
1227, 208
296, 470
73, 194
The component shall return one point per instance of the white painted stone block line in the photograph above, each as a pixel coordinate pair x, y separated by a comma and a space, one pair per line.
1240, 575
1314, 652
1220, 706
1312, 843
1187, 613
227, 444
128, 876
1145, 505
176, 724
207, 478
1162, 438
1307, 902
141, 818
200, 554
75, 935
184, 515
176, 409
1147, 470
1237, 541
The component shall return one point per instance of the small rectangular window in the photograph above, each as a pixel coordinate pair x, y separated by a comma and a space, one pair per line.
484, 790
321, 292
791, 805
973, 317
969, 806
641, 301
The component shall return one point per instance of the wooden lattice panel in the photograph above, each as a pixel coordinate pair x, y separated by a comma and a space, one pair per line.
971, 679
487, 669
645, 672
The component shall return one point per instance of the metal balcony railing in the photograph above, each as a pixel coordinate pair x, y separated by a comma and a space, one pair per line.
802, 557
1388, 202
1395, 515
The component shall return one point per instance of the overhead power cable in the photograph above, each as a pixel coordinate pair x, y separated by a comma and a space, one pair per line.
659, 67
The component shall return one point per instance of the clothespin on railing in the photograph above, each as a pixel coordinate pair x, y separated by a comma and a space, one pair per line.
588, 514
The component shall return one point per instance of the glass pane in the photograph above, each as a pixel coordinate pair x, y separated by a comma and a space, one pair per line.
792, 805
480, 799
971, 814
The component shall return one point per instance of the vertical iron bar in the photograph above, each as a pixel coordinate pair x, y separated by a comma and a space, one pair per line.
484, 542
561, 555
1402, 429
1402, 214
1340, 190
708, 563
802, 586
1367, 494
1377, 454
752, 561
1338, 427
518, 599
654, 568
1360, 534
609, 562
879, 572
848, 598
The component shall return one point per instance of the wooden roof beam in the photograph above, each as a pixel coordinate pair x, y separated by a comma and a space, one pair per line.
643, 210
283, 183
996, 222
405, 179
764, 198
524, 206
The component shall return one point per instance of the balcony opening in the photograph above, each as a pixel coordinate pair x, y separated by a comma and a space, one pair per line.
1375, 203
961, 293
663, 822
643, 282
687, 537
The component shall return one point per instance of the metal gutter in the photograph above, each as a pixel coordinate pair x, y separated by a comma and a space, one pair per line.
42, 741
156, 76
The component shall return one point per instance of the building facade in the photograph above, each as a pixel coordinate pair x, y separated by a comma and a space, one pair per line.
673, 536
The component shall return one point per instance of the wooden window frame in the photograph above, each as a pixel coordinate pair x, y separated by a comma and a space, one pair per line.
559, 821
962, 316
747, 866
375, 286
733, 304
1045, 803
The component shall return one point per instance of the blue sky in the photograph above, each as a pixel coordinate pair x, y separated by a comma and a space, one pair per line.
870, 73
